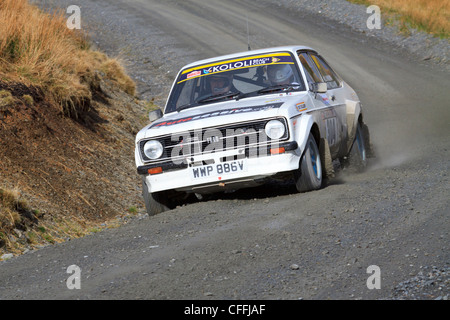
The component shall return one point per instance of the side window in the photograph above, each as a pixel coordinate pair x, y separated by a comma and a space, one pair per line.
188, 93
327, 73
312, 74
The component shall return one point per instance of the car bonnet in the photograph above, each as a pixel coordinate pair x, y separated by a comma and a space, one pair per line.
217, 114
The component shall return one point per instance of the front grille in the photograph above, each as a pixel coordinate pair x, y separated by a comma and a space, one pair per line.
216, 139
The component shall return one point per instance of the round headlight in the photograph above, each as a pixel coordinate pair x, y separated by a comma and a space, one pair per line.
275, 129
153, 149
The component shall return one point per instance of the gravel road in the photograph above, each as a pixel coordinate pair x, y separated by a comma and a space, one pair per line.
271, 242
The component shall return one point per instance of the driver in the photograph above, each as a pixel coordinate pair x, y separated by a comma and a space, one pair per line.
280, 74
220, 83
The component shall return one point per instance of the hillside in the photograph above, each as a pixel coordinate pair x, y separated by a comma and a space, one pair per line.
68, 118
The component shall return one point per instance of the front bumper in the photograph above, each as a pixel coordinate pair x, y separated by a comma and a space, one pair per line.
180, 176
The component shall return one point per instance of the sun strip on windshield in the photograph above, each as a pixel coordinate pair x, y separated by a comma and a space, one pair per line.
235, 64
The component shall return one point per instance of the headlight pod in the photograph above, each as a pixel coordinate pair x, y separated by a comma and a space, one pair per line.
275, 129
153, 149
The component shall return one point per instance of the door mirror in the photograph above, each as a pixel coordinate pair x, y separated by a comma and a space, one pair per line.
319, 87
155, 115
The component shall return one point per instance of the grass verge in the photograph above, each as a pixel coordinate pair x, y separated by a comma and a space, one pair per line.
430, 16
23, 227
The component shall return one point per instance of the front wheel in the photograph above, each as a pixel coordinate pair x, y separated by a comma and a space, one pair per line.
155, 202
309, 174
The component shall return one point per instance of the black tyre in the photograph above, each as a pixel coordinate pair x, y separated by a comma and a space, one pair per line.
309, 175
357, 157
155, 202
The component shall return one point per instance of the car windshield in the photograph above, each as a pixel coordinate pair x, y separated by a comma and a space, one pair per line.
235, 79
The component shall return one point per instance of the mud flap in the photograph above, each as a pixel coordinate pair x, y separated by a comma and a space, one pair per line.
325, 157
370, 153
351, 133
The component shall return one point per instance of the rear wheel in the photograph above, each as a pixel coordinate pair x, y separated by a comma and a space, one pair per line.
309, 174
357, 157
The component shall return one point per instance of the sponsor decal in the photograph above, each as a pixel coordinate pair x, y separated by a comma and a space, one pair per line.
216, 114
300, 106
193, 74
246, 62
325, 99
273, 100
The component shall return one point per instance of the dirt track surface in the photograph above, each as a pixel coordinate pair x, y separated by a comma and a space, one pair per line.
271, 242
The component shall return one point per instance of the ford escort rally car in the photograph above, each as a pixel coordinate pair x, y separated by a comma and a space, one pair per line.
238, 120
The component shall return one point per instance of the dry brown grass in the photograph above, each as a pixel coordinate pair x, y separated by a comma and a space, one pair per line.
432, 16
10, 205
38, 49
22, 227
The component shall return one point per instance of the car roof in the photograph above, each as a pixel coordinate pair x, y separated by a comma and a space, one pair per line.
292, 49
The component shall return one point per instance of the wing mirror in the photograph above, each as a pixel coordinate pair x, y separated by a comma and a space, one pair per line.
155, 115
319, 87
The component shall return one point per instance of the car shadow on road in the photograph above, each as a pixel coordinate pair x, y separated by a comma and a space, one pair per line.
270, 189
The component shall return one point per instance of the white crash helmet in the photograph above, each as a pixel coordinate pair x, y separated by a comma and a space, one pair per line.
280, 73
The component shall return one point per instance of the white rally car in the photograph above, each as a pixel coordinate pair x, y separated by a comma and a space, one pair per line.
238, 120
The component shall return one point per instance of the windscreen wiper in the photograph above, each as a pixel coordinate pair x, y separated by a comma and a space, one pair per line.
220, 96
234, 95
280, 87
185, 106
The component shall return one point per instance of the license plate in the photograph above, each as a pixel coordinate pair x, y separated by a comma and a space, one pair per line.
219, 170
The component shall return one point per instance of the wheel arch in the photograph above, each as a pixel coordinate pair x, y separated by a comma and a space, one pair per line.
306, 125
354, 117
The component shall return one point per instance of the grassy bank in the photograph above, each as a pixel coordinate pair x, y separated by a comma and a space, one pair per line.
24, 227
52, 169
19, 223
431, 16
38, 49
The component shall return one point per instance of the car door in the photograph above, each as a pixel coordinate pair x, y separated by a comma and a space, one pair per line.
336, 96
324, 105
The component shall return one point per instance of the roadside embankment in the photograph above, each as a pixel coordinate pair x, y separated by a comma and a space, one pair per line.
68, 117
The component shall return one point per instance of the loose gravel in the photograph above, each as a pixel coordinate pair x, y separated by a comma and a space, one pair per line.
430, 283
